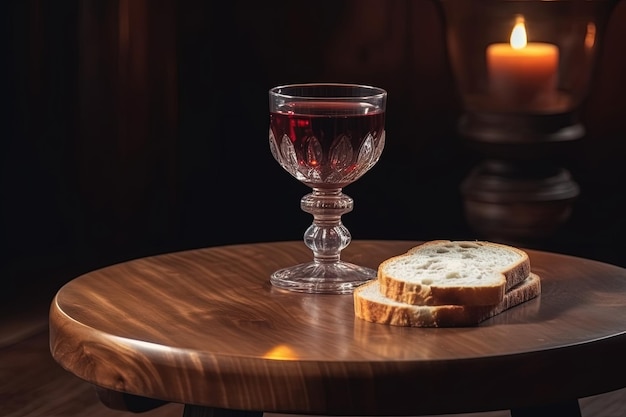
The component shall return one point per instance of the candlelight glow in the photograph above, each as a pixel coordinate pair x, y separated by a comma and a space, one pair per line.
523, 74
518, 35
590, 37
281, 352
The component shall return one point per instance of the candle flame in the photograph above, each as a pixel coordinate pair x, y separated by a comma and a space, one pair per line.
518, 35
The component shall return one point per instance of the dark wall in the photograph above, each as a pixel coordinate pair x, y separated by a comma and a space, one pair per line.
135, 127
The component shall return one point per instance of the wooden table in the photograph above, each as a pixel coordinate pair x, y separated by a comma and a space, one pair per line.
205, 328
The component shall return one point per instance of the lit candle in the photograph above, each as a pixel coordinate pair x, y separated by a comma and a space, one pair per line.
523, 74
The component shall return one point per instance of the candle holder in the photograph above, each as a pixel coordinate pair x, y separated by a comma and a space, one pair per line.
523, 70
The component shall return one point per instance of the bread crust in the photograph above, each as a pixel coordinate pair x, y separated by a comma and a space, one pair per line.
487, 294
372, 306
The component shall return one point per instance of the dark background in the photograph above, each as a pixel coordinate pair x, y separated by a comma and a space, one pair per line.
136, 127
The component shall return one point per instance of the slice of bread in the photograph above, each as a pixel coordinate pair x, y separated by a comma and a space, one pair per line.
444, 272
371, 305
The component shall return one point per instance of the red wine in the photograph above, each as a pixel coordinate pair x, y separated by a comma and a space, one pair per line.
327, 144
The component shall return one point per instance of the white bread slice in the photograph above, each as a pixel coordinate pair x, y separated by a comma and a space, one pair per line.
372, 306
442, 272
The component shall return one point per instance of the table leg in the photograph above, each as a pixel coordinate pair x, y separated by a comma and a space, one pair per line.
565, 409
198, 411
127, 402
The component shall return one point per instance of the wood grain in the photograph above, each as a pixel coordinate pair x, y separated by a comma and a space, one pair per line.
205, 327
32, 384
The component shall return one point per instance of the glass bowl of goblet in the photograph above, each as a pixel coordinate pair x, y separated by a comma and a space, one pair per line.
327, 136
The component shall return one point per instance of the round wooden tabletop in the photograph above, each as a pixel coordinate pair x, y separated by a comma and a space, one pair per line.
205, 327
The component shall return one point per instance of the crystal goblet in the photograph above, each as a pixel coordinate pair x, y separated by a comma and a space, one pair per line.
326, 135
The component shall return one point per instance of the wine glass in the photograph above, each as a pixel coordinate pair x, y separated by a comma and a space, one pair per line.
326, 135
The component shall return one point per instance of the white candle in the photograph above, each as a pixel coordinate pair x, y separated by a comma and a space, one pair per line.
523, 74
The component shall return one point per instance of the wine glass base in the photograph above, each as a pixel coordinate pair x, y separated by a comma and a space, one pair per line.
323, 278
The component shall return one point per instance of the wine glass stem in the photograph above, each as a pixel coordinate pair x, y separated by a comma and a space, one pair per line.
327, 236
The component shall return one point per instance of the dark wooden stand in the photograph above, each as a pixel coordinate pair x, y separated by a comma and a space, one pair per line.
519, 193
